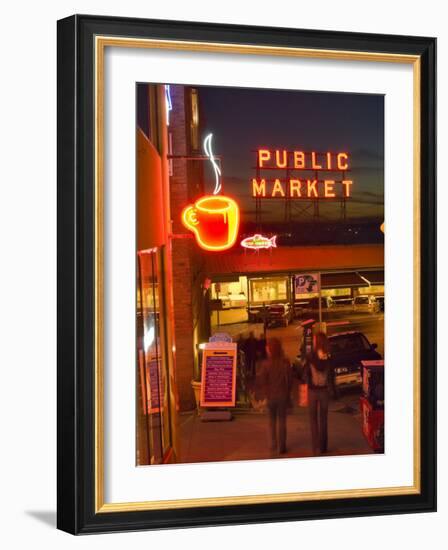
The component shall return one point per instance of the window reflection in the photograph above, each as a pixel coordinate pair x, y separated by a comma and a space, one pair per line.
151, 375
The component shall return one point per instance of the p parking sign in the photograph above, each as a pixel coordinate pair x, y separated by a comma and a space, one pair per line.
307, 283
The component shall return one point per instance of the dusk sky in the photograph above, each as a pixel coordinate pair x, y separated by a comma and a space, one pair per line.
243, 120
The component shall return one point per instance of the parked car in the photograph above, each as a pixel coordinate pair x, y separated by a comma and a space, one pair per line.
366, 303
340, 301
301, 307
307, 305
347, 350
380, 300
279, 314
326, 302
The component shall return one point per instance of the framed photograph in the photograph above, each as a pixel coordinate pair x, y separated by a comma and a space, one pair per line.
246, 274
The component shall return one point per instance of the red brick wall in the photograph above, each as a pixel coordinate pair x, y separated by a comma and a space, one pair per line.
186, 260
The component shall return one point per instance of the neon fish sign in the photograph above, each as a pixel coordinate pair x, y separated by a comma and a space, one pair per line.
213, 219
255, 242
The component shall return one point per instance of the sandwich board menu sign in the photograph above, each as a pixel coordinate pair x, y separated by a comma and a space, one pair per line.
218, 387
220, 337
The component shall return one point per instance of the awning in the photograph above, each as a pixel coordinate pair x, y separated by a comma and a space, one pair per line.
374, 277
225, 278
289, 259
342, 280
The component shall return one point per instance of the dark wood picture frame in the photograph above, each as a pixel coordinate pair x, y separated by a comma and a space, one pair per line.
79, 495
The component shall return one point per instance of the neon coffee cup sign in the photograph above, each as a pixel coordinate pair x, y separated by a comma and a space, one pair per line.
213, 219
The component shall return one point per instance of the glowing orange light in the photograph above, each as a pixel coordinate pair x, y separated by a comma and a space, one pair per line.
258, 189
214, 220
281, 163
294, 187
329, 188
263, 156
347, 185
278, 188
314, 164
299, 159
311, 187
342, 165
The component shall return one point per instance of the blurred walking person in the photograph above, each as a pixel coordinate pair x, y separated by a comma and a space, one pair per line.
250, 349
276, 381
261, 348
318, 375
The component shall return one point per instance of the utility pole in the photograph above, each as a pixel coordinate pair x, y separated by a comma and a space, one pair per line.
320, 301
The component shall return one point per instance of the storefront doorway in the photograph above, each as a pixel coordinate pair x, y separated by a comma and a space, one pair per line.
266, 291
229, 302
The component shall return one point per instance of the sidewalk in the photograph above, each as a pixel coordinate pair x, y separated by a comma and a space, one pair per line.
246, 436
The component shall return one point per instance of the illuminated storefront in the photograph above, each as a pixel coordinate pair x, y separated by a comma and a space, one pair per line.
156, 396
267, 278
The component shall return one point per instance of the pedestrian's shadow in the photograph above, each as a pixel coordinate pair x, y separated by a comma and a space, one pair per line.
48, 517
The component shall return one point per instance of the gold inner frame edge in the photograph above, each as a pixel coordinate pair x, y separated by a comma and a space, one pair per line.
101, 42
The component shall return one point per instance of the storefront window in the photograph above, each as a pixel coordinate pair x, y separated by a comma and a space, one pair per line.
230, 299
339, 292
272, 289
152, 417
377, 290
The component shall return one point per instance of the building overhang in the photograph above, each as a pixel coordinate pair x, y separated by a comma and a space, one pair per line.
365, 259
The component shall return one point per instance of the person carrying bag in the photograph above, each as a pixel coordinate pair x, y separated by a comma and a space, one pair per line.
318, 377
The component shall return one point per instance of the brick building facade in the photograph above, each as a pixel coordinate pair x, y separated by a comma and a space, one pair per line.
186, 185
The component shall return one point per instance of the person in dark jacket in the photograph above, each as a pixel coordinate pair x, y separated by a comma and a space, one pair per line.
276, 381
250, 350
318, 376
261, 348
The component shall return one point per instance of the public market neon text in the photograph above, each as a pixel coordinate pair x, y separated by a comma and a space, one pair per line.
297, 186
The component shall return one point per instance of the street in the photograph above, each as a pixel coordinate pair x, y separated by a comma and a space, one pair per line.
245, 437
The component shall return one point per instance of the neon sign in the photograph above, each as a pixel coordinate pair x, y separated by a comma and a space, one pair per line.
306, 186
168, 103
216, 168
257, 241
213, 219
302, 160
